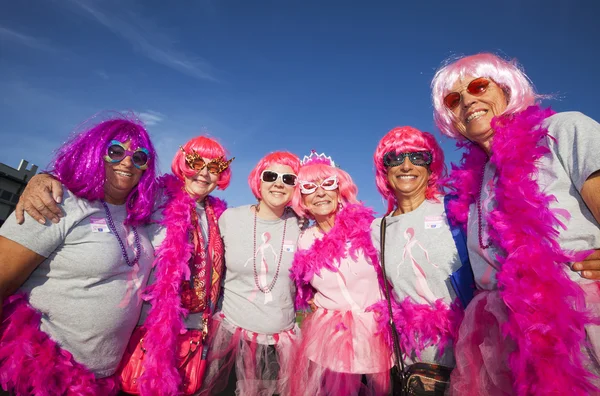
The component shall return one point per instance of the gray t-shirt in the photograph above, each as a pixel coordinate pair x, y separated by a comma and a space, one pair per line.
157, 233
88, 296
244, 305
574, 156
420, 255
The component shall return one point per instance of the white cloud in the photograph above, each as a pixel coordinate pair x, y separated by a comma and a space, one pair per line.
151, 118
23, 39
146, 38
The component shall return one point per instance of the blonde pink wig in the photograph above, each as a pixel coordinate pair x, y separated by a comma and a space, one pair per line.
508, 74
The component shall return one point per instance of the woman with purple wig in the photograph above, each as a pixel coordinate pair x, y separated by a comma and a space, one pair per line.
71, 291
528, 197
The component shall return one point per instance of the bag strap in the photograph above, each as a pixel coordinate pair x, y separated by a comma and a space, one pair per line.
397, 352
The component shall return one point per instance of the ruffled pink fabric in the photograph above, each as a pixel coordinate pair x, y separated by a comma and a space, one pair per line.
31, 363
259, 371
335, 350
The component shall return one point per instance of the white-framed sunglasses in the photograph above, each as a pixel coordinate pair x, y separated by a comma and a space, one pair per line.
329, 184
270, 176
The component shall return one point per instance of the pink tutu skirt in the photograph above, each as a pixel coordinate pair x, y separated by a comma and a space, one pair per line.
481, 351
260, 361
340, 353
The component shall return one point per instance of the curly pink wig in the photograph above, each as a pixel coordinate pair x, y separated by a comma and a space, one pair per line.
79, 164
276, 157
507, 74
319, 172
402, 140
207, 148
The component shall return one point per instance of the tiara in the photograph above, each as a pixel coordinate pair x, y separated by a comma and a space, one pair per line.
315, 158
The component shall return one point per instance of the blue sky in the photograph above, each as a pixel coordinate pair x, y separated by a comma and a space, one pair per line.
270, 75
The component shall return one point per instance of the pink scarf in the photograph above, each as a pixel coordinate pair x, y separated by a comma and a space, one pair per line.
165, 318
546, 310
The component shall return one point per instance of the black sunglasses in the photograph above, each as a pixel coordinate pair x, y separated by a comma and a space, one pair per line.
418, 158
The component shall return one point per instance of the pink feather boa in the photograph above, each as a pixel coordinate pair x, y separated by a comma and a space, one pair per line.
546, 310
31, 363
419, 325
353, 223
165, 318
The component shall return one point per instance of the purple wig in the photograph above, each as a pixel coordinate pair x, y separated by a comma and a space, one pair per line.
507, 74
405, 139
79, 164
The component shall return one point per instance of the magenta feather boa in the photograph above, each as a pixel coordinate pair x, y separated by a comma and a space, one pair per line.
419, 325
353, 223
165, 318
31, 363
546, 310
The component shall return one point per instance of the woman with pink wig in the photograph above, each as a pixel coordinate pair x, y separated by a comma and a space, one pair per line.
336, 269
70, 291
420, 254
528, 197
253, 334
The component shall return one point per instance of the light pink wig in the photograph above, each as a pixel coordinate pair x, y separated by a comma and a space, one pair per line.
508, 74
317, 173
276, 157
207, 148
402, 140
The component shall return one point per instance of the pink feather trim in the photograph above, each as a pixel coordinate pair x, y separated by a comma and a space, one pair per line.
419, 325
31, 363
353, 223
165, 318
546, 310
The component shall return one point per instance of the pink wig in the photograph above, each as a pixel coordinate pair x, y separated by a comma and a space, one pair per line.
319, 172
276, 157
401, 140
79, 164
207, 148
508, 74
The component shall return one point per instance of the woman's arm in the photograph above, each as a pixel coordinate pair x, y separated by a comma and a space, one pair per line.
590, 192
16, 264
40, 199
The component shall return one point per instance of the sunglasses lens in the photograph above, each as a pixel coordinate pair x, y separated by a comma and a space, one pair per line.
421, 158
452, 99
116, 152
289, 179
213, 167
392, 159
197, 165
478, 86
269, 176
308, 187
328, 184
140, 158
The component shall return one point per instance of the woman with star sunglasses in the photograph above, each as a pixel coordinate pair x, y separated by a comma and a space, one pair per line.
71, 291
336, 269
252, 335
419, 257
528, 197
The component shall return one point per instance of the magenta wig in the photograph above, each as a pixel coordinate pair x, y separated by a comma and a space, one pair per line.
507, 74
276, 157
207, 148
402, 140
79, 164
319, 172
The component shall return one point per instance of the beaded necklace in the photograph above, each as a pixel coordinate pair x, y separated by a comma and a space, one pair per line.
272, 284
137, 246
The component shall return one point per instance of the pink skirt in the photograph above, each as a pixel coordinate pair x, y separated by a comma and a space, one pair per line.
336, 350
260, 360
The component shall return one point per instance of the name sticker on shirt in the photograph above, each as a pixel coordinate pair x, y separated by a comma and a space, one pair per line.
98, 224
289, 246
432, 222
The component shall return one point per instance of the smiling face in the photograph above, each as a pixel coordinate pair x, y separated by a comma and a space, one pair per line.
408, 180
474, 113
121, 178
276, 195
202, 183
321, 203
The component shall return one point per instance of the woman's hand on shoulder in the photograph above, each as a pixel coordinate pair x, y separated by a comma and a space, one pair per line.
40, 200
589, 268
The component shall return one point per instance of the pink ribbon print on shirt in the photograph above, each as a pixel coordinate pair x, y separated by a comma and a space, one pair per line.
263, 249
422, 287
